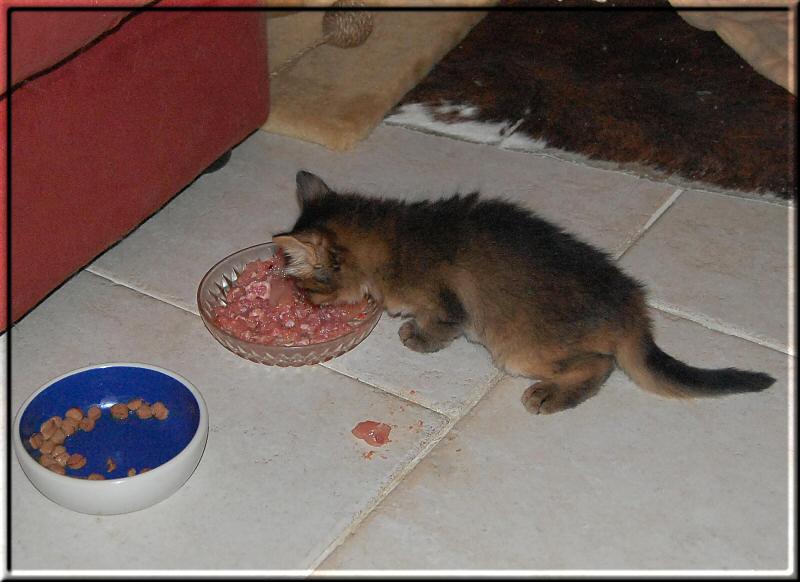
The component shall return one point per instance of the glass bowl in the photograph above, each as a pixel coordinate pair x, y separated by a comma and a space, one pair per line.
212, 292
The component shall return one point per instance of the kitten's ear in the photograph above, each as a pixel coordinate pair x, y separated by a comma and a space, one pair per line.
302, 252
310, 187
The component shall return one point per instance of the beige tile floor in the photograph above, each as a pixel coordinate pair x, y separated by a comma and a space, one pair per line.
625, 481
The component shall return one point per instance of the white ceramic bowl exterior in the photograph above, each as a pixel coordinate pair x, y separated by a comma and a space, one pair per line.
115, 496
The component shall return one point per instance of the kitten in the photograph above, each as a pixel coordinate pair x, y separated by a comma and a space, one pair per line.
546, 305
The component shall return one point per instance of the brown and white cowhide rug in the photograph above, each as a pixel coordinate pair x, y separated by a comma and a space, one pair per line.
639, 91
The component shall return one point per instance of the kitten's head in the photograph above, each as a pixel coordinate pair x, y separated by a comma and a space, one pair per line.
317, 250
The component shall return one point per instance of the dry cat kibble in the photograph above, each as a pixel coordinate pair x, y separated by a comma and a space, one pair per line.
144, 411
36, 440
69, 426
120, 411
50, 426
76, 461
55, 430
75, 414
160, 411
48, 462
58, 437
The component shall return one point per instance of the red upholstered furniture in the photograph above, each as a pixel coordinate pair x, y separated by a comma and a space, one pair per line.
102, 138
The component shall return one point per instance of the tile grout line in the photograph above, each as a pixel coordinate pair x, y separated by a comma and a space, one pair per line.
447, 415
400, 475
719, 327
395, 480
444, 413
140, 291
655, 304
553, 153
403, 399
707, 322
628, 244
771, 200
682, 184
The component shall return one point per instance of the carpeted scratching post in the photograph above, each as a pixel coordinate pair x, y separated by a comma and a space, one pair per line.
345, 28
340, 28
335, 74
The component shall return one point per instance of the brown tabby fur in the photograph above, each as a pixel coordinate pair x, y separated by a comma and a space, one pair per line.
545, 305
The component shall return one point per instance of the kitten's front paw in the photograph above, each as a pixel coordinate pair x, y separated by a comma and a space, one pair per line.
411, 338
407, 330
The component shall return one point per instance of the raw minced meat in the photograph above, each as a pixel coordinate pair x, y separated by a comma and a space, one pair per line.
372, 432
266, 307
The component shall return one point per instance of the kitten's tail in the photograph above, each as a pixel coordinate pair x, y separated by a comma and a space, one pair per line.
652, 369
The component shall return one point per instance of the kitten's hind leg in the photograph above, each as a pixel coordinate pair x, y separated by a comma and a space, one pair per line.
426, 336
575, 380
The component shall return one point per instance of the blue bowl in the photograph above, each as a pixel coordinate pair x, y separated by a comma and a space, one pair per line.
156, 445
